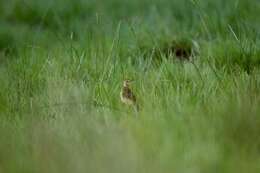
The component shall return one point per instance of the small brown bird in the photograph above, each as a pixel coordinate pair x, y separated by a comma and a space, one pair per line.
127, 96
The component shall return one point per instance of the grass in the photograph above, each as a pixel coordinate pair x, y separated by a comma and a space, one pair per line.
62, 64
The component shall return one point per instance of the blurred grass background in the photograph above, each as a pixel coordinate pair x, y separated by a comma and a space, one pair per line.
62, 64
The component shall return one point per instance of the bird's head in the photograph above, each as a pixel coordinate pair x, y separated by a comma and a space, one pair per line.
127, 82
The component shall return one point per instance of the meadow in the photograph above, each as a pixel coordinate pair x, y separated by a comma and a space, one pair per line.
62, 64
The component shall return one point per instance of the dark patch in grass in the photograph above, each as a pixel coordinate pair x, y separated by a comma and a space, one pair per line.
182, 50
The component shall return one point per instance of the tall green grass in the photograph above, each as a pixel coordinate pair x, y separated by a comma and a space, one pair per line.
62, 64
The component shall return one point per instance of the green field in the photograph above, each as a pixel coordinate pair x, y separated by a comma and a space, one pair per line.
62, 64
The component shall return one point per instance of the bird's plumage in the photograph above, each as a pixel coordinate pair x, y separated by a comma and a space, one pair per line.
127, 96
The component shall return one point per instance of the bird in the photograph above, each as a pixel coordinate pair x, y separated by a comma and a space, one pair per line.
127, 96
